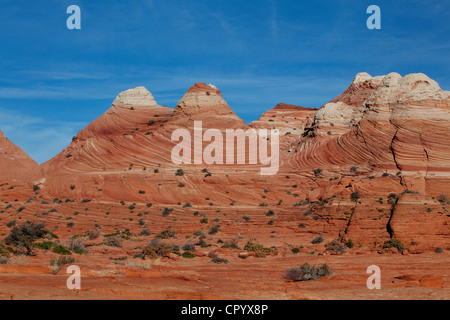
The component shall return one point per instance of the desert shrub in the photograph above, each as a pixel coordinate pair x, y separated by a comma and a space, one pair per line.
336, 246
62, 250
4, 250
113, 241
188, 247
141, 191
394, 243
45, 245
20, 209
392, 198
85, 200
230, 244
157, 249
77, 245
92, 234
317, 240
307, 272
438, 250
317, 172
187, 205
167, 211
270, 213
145, 232
11, 223
188, 255
179, 172
443, 199
204, 220
214, 229
219, 260
150, 122
25, 235
295, 250
353, 169
72, 187
354, 196
246, 218
255, 247
166, 234
350, 244
70, 224
58, 263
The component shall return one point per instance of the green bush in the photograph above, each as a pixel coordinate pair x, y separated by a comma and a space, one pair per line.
355, 196
188, 255
317, 240
25, 235
394, 243
62, 250
166, 234
45, 245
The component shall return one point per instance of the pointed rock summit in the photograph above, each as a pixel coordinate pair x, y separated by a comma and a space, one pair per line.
205, 103
14, 162
139, 96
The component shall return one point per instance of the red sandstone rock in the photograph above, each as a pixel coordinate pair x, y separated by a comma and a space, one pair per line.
15, 164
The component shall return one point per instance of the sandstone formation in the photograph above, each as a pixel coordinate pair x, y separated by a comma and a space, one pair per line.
367, 171
14, 162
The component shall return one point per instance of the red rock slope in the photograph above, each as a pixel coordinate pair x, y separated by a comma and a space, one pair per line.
15, 164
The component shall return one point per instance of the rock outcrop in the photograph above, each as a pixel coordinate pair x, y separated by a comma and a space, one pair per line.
368, 166
15, 164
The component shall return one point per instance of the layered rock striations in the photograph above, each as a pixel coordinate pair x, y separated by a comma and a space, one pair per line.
368, 166
15, 164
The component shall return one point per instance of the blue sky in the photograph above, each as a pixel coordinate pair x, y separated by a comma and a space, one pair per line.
54, 81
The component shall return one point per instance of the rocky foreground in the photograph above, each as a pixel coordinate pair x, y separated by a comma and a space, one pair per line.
363, 180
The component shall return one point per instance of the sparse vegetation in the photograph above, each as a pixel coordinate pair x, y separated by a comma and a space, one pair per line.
219, 260
336, 246
25, 235
92, 234
394, 243
355, 196
307, 272
113, 241
58, 263
317, 240
442, 198
166, 234
62, 250
214, 229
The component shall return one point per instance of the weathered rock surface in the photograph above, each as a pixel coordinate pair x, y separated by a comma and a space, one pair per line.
15, 164
377, 176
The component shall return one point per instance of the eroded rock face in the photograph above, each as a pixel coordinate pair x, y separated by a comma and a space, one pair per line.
205, 103
15, 164
339, 115
139, 96
388, 135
